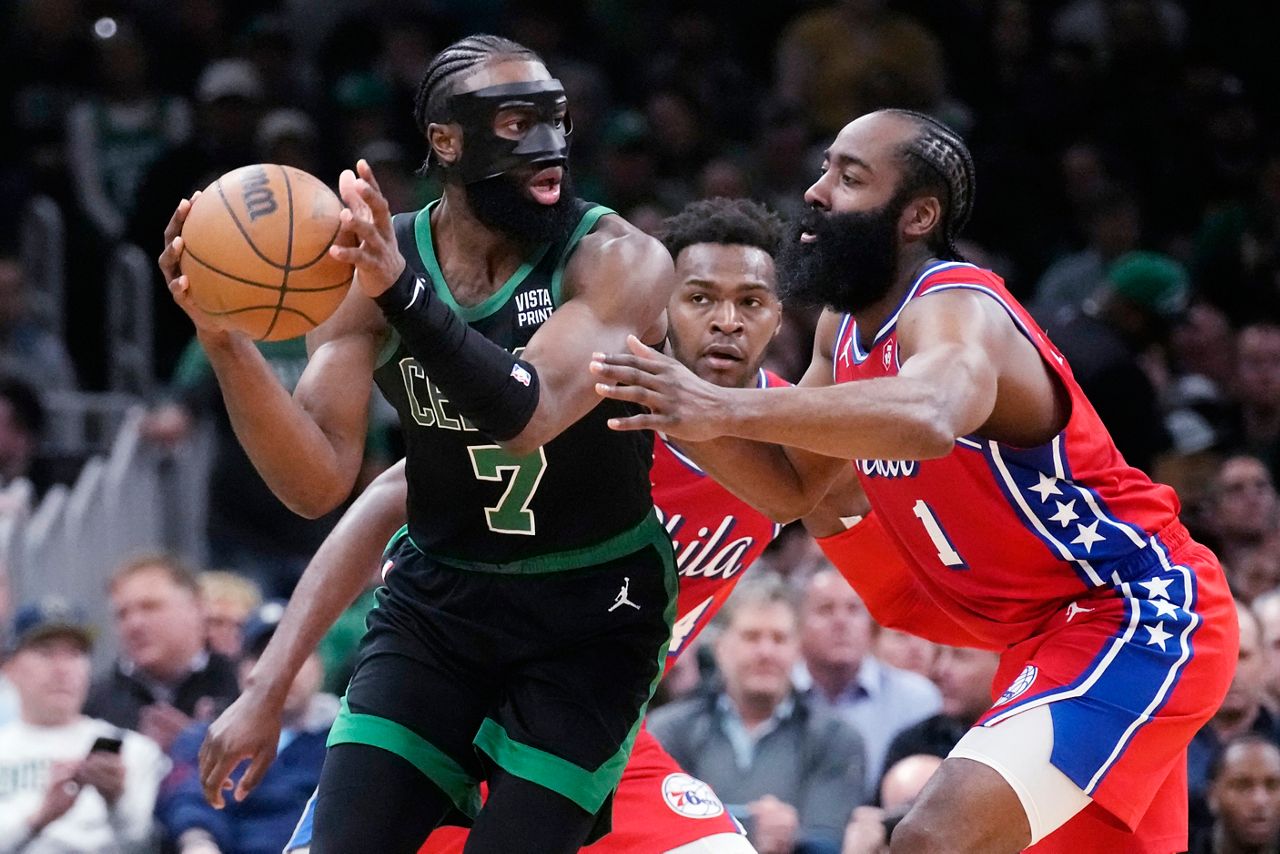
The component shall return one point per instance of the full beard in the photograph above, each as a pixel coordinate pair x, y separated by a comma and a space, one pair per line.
851, 266
503, 204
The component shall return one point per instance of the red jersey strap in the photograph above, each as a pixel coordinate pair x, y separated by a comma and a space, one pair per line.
872, 563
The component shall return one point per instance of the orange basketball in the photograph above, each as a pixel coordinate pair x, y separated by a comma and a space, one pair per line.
257, 251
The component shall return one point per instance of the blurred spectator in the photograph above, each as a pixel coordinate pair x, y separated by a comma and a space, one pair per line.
28, 350
783, 162
1114, 227
249, 529
836, 636
227, 600
905, 651
263, 821
723, 177
21, 430
1105, 342
116, 133
964, 677
1266, 609
1254, 570
1242, 711
64, 788
1201, 416
1237, 248
1244, 508
1244, 799
1094, 23
798, 769
49, 59
288, 78
228, 101
1257, 391
844, 59
871, 826
8, 694
165, 676
682, 147
290, 137
362, 100
694, 56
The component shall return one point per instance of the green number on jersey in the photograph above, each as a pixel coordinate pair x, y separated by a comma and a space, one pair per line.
512, 514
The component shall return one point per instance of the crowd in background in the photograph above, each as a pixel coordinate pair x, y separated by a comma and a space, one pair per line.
1128, 163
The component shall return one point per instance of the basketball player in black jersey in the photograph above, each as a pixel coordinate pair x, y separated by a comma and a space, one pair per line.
494, 653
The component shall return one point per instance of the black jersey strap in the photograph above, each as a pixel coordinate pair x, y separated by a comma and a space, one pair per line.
496, 391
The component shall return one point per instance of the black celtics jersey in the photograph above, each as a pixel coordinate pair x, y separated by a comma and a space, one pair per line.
469, 499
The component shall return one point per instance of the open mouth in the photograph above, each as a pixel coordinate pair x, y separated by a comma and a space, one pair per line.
808, 237
722, 356
545, 185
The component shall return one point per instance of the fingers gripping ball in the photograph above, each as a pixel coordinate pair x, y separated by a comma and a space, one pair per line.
256, 251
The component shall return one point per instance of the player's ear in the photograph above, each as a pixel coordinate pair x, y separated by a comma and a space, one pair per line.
445, 141
921, 216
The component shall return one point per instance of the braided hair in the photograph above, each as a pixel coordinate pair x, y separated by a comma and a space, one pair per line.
937, 162
438, 84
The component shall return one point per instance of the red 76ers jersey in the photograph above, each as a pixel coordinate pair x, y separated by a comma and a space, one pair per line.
1003, 537
716, 535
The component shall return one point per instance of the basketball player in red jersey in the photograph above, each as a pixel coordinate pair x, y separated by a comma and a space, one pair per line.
986, 467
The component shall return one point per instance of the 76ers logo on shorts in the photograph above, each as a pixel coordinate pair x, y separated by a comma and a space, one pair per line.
1020, 685
690, 797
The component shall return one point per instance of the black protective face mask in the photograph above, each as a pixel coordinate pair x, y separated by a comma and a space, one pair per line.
485, 154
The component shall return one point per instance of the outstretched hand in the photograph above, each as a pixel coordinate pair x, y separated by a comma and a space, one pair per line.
248, 729
680, 404
366, 223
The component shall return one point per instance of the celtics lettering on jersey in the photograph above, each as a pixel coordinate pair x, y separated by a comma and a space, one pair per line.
470, 498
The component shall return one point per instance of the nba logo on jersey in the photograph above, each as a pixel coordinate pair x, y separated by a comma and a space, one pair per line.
520, 375
888, 354
690, 797
1020, 685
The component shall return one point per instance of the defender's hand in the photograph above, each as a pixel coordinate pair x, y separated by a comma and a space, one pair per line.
366, 222
248, 729
680, 404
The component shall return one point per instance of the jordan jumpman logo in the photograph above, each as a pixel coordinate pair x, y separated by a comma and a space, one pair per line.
622, 597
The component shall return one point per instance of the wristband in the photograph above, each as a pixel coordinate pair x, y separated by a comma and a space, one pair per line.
497, 392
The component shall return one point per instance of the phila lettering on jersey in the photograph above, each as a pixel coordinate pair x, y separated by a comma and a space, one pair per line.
1072, 516
716, 535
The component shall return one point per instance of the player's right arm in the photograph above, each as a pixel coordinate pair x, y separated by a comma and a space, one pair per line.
783, 483
340, 570
307, 446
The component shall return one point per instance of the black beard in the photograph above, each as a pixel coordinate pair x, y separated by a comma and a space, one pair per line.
502, 203
852, 264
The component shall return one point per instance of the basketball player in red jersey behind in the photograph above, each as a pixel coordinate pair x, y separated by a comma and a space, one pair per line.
1022, 528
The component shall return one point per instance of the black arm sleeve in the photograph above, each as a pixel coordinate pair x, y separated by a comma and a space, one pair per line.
496, 391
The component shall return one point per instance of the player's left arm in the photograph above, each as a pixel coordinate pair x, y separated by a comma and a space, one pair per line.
617, 284
954, 347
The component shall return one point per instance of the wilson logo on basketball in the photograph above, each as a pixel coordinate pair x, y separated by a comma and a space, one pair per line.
255, 188
690, 797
